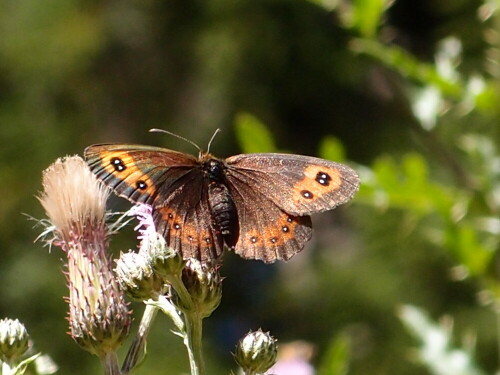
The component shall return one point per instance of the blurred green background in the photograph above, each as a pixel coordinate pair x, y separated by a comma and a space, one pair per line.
406, 92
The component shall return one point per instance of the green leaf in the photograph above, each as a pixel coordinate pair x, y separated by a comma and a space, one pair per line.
336, 358
469, 249
21, 367
366, 16
331, 148
252, 134
408, 66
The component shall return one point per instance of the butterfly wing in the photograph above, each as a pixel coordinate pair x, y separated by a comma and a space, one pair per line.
142, 174
275, 193
299, 185
185, 221
266, 232
172, 183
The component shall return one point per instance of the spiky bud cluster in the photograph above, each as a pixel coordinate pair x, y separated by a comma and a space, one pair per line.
164, 260
137, 278
256, 352
14, 340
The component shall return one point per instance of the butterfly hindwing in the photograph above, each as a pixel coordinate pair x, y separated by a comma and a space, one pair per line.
266, 232
185, 221
299, 185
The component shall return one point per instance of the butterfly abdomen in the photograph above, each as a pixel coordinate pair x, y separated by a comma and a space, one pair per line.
221, 204
222, 207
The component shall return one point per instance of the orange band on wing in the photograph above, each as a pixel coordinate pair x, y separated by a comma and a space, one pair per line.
318, 180
123, 166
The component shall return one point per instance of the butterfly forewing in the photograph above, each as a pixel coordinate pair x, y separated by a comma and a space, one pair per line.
137, 172
300, 185
172, 183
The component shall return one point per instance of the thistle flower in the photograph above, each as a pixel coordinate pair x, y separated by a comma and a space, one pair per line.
204, 286
256, 352
14, 340
75, 204
164, 260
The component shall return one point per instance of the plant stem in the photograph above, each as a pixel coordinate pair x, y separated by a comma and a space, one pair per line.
193, 327
138, 346
164, 304
110, 364
192, 340
179, 287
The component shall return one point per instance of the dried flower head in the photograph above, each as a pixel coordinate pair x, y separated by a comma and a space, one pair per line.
14, 340
73, 199
256, 352
75, 203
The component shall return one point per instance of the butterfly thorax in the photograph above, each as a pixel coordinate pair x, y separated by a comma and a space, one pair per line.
214, 169
222, 207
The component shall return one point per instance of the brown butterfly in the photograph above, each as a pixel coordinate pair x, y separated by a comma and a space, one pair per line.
257, 204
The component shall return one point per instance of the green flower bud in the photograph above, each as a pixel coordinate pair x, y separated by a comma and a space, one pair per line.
136, 277
164, 260
13, 339
204, 285
256, 352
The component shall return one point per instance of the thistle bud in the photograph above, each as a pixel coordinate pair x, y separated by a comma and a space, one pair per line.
14, 340
204, 285
75, 204
256, 352
136, 277
164, 260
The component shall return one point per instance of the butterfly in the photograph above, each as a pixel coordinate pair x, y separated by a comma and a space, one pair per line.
256, 204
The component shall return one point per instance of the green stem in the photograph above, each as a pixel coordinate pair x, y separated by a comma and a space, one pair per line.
138, 348
192, 340
179, 287
192, 327
164, 304
110, 364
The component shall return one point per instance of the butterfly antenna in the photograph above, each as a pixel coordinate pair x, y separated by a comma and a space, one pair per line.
177, 136
217, 131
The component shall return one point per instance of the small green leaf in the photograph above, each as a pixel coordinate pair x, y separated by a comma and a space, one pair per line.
331, 148
336, 358
21, 367
415, 170
366, 16
252, 134
469, 249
